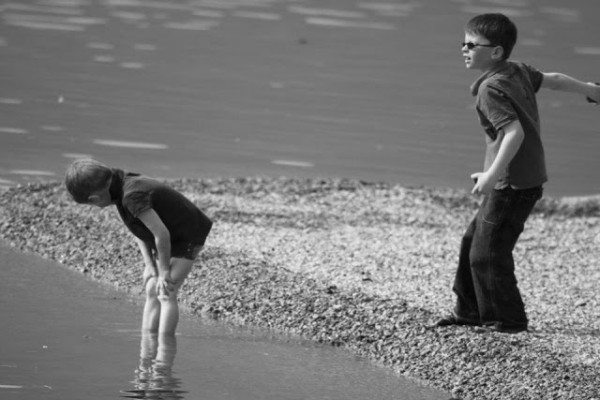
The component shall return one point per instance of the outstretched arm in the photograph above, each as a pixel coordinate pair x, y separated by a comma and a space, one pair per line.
566, 83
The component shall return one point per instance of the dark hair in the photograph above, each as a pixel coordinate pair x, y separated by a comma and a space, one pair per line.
86, 176
497, 28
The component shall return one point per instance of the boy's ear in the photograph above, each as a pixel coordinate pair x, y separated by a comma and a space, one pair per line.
498, 52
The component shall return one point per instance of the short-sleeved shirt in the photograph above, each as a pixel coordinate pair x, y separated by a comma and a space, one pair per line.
133, 194
504, 95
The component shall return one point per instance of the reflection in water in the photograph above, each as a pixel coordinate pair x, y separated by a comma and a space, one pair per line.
154, 377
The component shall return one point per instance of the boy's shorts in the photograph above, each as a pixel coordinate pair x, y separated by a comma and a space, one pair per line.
186, 250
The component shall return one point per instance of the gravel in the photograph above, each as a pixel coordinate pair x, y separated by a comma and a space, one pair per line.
367, 266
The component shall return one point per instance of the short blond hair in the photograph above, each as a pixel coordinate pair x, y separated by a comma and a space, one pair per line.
85, 176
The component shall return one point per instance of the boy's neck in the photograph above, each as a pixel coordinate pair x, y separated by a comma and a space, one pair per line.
116, 184
486, 74
494, 67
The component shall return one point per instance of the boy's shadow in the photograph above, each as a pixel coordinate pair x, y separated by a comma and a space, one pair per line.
566, 331
154, 378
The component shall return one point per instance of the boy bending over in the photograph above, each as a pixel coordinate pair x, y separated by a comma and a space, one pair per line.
169, 229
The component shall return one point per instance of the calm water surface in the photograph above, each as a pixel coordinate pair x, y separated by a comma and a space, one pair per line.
371, 90
65, 337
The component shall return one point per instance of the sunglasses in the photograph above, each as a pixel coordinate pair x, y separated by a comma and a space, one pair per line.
471, 45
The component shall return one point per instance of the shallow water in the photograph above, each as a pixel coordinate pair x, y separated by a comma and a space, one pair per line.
181, 88
66, 337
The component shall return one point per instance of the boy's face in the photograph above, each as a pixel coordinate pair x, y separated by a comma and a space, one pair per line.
483, 55
100, 198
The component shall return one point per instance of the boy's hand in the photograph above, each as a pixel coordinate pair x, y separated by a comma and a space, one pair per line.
595, 96
484, 183
164, 286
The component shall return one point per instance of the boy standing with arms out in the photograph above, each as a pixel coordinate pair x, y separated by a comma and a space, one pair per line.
513, 175
169, 229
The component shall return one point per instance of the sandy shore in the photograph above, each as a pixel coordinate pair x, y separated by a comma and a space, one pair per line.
367, 266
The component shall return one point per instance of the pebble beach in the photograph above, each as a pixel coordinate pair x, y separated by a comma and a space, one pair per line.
363, 265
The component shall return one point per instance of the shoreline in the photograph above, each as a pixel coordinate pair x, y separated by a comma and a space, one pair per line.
367, 266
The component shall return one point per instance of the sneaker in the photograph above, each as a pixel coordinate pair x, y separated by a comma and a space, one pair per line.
455, 320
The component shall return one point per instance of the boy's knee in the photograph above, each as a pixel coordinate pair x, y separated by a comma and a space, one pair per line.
479, 257
168, 298
150, 286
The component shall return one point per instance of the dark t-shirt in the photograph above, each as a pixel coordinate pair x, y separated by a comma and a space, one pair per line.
133, 194
504, 95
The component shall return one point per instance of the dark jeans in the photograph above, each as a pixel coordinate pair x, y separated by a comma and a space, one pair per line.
485, 281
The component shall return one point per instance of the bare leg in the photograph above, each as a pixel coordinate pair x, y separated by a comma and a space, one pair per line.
169, 309
144, 372
166, 350
150, 321
163, 378
148, 346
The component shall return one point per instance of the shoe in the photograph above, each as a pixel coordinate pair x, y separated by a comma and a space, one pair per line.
501, 328
454, 320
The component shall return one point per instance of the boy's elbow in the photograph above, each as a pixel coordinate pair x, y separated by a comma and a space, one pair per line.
163, 238
554, 80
